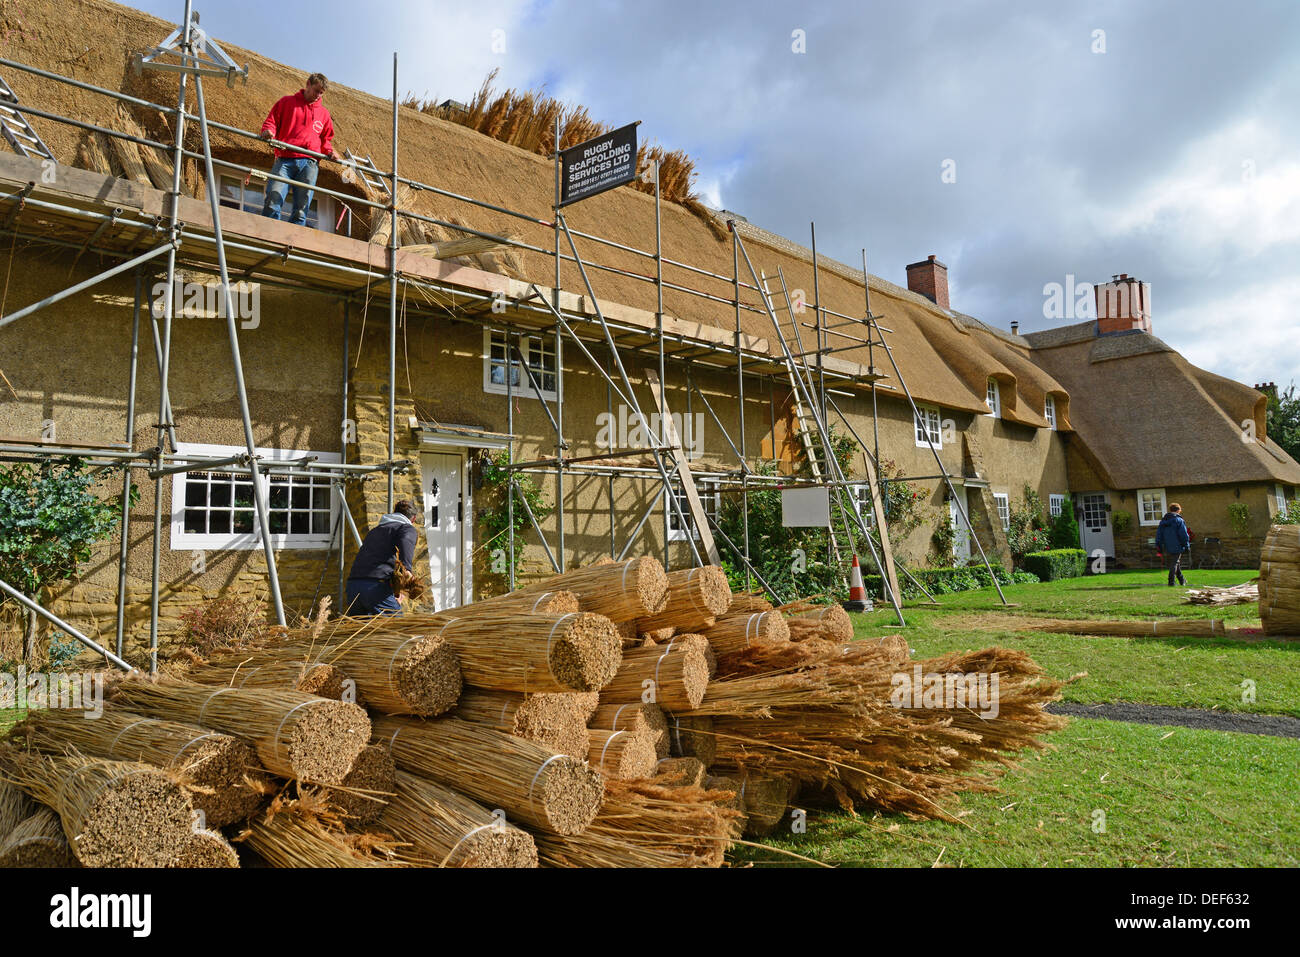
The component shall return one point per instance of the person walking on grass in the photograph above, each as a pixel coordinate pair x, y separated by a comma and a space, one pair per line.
1173, 540
370, 590
302, 120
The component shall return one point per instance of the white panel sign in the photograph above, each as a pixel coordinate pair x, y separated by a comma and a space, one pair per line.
805, 507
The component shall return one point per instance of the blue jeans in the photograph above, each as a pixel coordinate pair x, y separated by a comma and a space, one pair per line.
301, 170
371, 596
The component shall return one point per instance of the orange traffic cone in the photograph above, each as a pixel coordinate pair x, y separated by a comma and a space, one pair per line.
858, 600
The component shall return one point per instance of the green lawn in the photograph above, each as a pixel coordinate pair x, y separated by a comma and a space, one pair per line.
9, 717
1171, 797
1186, 672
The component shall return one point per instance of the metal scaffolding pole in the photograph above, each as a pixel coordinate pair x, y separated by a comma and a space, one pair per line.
125, 527
31, 606
559, 373
740, 398
392, 301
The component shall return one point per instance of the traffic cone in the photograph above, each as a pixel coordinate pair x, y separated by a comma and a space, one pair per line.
858, 600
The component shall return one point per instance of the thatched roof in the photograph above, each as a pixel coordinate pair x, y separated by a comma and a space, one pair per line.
1148, 418
943, 361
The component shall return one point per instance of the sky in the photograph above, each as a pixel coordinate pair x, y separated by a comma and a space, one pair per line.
1024, 143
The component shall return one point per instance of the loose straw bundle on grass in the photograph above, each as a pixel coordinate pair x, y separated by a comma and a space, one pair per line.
304, 833
766, 799
623, 591
535, 653
362, 795
737, 632
1279, 581
206, 849
446, 829
221, 772
295, 735
673, 676
397, 668
114, 813
644, 824
622, 755
638, 718
37, 841
557, 721
696, 596
733, 795
531, 783
831, 623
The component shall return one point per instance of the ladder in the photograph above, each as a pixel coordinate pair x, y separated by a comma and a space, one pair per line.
367, 171
16, 129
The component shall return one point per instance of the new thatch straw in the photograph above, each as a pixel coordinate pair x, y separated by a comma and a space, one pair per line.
831, 623
556, 602
557, 721
531, 783
622, 755
272, 671
681, 772
744, 603
735, 633
536, 653
206, 849
301, 834
295, 735
367, 789
37, 841
16, 806
638, 718
447, 829
696, 596
220, 771
114, 813
623, 591
673, 676
692, 737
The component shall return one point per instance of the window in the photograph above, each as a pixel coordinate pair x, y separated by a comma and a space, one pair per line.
864, 504
1049, 410
538, 353
251, 199
993, 398
1280, 494
1151, 505
928, 428
1055, 504
216, 510
710, 499
1004, 509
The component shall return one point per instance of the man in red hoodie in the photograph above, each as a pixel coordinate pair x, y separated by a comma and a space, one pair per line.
298, 120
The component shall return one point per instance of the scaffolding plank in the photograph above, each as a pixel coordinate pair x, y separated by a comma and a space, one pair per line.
683, 468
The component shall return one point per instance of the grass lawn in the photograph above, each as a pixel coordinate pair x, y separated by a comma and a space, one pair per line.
1186, 672
9, 717
1171, 797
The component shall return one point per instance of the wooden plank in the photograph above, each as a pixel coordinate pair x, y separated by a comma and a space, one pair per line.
878, 509
683, 468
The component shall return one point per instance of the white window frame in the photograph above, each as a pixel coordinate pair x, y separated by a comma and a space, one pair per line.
1279, 494
928, 421
863, 493
1055, 504
1002, 500
253, 199
710, 500
993, 398
1049, 411
181, 540
1142, 519
523, 387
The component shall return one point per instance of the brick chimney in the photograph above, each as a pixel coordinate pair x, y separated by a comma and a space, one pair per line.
1268, 388
929, 278
1123, 305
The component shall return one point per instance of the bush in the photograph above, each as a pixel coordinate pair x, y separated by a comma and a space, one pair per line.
1289, 515
1065, 528
949, 581
1056, 563
225, 624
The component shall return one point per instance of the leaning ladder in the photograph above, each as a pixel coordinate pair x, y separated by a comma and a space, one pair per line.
25, 140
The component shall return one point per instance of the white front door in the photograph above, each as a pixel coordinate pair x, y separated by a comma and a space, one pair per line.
444, 512
961, 542
1094, 526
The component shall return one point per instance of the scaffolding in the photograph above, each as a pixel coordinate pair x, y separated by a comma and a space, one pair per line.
140, 241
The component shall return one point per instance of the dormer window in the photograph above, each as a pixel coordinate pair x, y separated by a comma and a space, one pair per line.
994, 399
1049, 411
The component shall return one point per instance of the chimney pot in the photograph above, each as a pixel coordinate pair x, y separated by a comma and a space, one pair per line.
1015, 328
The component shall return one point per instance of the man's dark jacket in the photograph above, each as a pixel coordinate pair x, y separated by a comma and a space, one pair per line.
377, 554
1171, 536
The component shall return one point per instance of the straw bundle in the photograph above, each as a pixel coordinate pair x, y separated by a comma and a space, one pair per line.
1279, 581
220, 772
795, 656
766, 799
398, 671
622, 755
673, 676
832, 623
658, 636
522, 603
447, 829
624, 591
114, 813
705, 648
639, 718
295, 735
1188, 627
644, 824
737, 632
691, 736
404, 582
271, 670
361, 797
37, 841
744, 603
695, 597
557, 721
685, 772
15, 806
535, 653
206, 849
1243, 594
303, 833
533, 784
733, 790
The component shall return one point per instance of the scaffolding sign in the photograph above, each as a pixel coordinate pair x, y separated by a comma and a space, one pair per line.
599, 164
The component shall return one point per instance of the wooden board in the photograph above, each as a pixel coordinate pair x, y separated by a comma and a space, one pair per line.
683, 469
